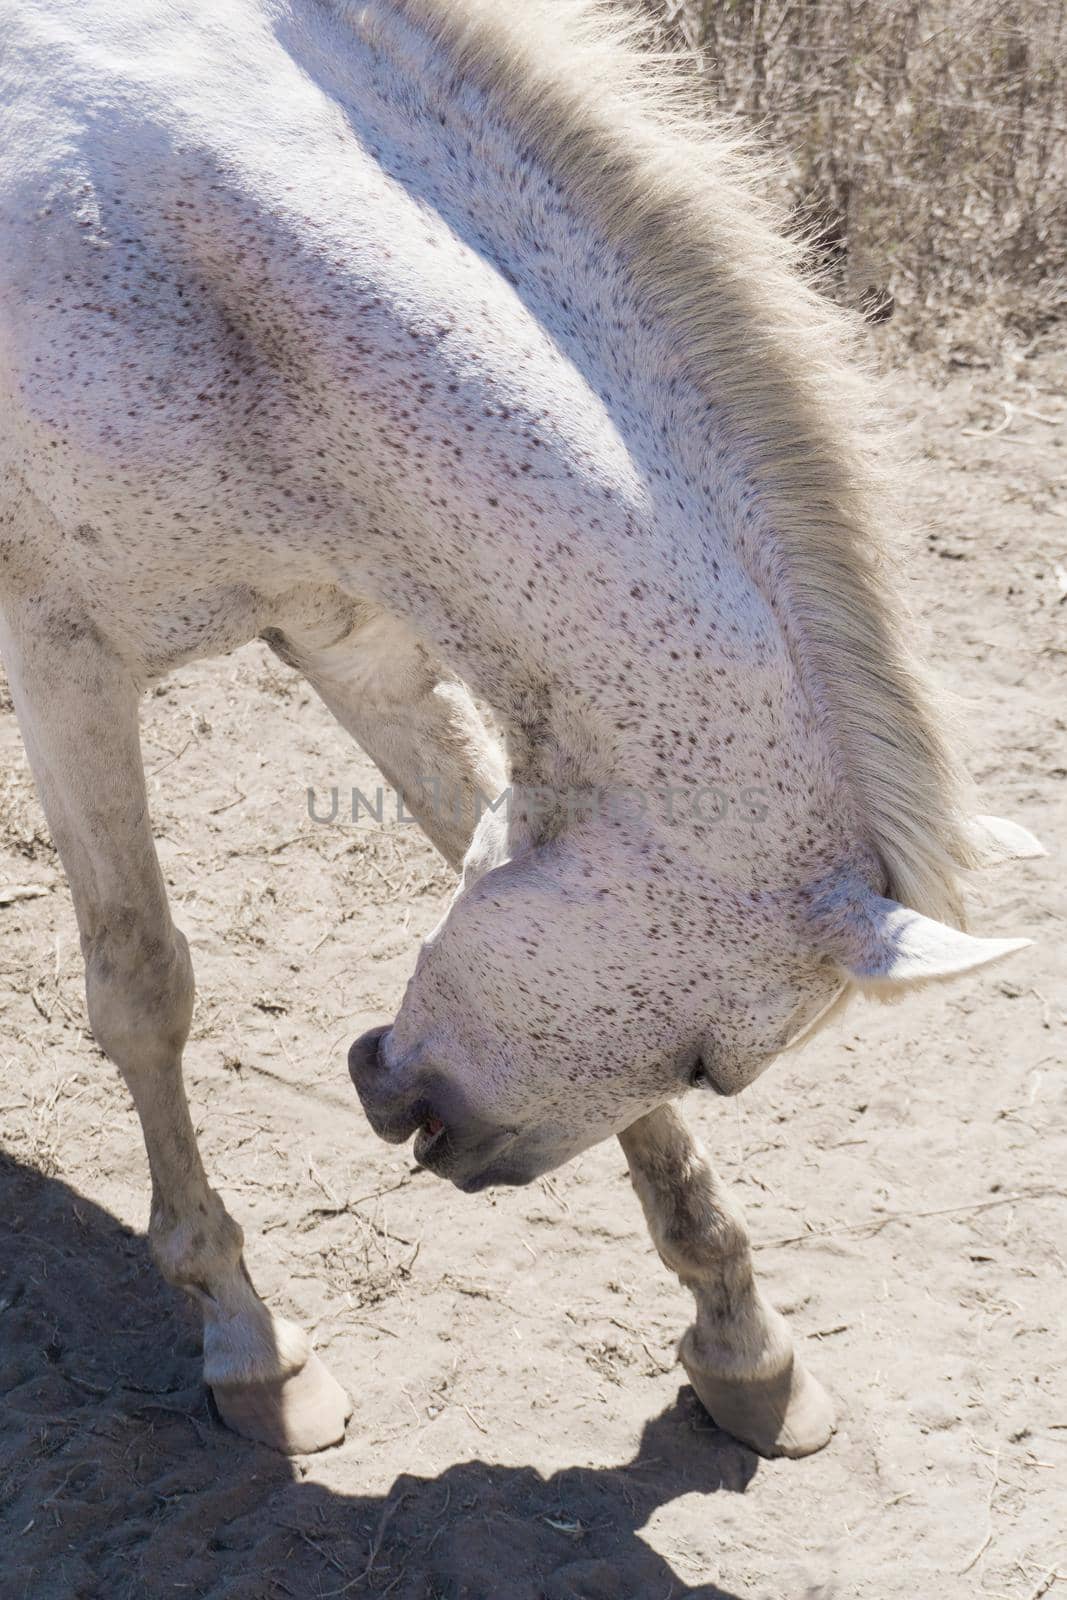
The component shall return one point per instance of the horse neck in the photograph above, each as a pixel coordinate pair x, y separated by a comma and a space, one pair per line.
450, 144
655, 620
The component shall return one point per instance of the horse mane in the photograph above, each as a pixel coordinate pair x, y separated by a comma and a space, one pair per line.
682, 196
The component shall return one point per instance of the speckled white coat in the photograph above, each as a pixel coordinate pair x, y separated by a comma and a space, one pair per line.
303, 336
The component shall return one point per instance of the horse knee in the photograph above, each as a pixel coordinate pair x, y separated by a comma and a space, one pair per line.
139, 988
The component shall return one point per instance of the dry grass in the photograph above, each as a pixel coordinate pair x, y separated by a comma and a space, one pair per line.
926, 143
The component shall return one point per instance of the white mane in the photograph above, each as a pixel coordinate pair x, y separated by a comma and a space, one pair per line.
679, 196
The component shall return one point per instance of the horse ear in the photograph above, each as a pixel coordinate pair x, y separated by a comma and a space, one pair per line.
882, 945
994, 840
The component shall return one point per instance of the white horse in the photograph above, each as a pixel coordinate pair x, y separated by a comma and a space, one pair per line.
436, 343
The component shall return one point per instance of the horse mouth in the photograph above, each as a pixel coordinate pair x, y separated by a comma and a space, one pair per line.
431, 1136
471, 1166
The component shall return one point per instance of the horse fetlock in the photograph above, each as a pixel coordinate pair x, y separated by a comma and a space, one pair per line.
199, 1251
715, 1355
753, 1344
245, 1343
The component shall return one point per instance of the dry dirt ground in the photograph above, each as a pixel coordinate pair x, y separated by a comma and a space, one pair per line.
520, 1429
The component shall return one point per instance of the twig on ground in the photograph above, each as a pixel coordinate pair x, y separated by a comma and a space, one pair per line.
216, 811
877, 1223
386, 879
656, 1362
549, 1186
316, 1177
283, 844
376, 1194
390, 1510
12, 892
989, 433
479, 1425
987, 1541
1039, 416
177, 757
1051, 1577
325, 1554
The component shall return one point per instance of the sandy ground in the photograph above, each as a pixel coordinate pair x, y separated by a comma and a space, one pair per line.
520, 1429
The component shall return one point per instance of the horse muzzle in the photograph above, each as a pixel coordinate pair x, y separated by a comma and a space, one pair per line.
449, 1140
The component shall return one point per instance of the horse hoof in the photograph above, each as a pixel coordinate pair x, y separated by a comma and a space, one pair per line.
787, 1415
303, 1412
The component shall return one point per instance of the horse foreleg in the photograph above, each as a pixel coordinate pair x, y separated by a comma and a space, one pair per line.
739, 1353
77, 706
417, 723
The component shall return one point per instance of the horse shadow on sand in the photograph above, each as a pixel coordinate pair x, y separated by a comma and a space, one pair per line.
117, 1483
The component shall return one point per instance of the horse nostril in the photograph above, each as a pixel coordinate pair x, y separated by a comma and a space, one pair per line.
364, 1055
389, 1094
